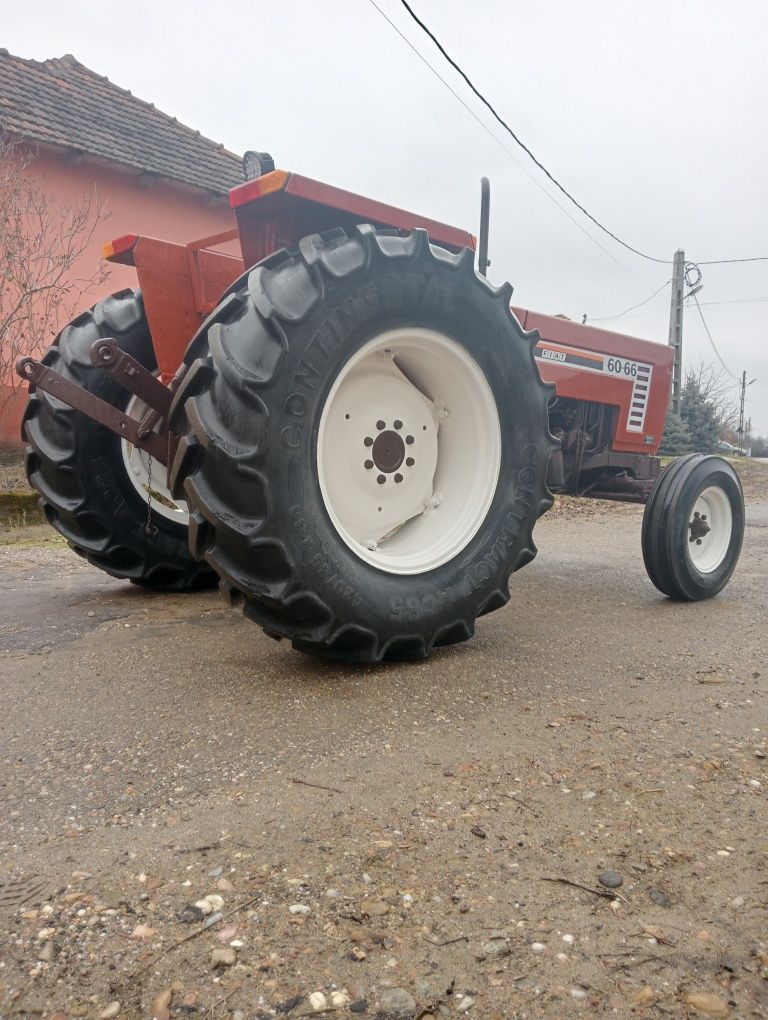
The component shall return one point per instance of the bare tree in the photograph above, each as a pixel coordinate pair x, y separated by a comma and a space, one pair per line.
717, 390
41, 244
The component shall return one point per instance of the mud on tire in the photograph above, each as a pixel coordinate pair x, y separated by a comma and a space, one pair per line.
77, 466
249, 411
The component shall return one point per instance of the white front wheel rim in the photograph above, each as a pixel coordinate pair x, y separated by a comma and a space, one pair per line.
408, 450
709, 529
147, 475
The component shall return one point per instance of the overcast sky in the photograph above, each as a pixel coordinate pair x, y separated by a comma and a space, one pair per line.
652, 114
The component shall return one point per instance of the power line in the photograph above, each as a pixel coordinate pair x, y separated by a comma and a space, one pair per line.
522, 144
723, 262
711, 340
427, 31
737, 301
498, 141
606, 318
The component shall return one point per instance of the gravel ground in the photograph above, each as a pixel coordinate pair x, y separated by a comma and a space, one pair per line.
198, 822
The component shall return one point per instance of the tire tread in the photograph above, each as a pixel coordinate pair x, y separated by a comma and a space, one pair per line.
276, 295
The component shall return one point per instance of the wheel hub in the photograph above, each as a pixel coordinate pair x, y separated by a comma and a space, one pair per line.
408, 450
388, 451
147, 478
709, 529
698, 527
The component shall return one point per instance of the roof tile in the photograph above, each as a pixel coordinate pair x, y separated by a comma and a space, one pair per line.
61, 102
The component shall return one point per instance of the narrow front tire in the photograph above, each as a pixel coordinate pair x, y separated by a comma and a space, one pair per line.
693, 527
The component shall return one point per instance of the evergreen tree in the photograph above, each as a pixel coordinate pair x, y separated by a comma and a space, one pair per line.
700, 416
677, 439
760, 446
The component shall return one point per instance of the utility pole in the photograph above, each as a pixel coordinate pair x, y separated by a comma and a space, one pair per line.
741, 411
744, 385
676, 328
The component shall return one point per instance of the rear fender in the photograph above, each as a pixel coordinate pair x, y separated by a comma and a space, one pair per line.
180, 285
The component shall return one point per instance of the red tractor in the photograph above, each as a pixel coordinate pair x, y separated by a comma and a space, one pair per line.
349, 428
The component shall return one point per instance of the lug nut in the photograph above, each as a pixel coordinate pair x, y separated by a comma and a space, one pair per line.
368, 441
409, 461
398, 478
381, 479
398, 423
380, 424
409, 440
368, 465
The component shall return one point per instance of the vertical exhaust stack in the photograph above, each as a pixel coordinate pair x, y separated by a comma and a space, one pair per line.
485, 221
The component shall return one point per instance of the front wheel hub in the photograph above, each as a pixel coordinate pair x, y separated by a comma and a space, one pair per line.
710, 528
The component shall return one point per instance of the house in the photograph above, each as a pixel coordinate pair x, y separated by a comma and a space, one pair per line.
153, 174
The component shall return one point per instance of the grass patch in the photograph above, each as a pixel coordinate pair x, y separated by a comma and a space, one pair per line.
753, 474
19, 510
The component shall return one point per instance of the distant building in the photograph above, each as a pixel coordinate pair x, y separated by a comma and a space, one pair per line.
155, 175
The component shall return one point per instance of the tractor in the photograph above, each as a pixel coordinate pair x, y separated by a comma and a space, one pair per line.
349, 429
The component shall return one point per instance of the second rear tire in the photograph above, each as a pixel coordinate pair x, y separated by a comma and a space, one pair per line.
93, 485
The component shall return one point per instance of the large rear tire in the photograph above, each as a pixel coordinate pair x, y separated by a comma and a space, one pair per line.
364, 445
693, 527
94, 485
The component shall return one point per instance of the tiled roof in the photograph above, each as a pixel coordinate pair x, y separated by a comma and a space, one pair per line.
61, 102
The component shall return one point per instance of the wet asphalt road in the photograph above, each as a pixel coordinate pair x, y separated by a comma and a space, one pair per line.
115, 700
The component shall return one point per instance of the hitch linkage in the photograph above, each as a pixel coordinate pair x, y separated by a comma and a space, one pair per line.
106, 354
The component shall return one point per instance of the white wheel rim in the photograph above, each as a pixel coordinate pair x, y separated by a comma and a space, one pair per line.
408, 450
711, 510
137, 467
